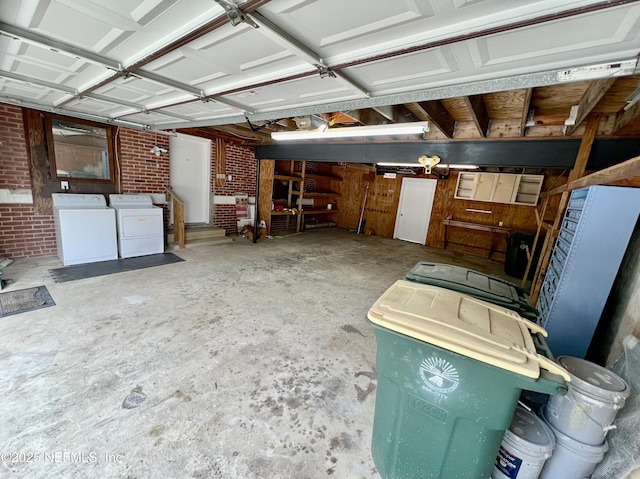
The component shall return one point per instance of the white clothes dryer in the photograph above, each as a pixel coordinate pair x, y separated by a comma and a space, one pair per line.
140, 225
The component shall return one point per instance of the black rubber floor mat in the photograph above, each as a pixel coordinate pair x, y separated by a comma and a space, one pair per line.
101, 268
23, 300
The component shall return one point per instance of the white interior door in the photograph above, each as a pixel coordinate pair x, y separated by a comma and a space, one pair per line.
414, 209
190, 175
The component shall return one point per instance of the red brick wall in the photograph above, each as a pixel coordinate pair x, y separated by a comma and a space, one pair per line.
144, 172
14, 167
25, 234
241, 165
22, 232
141, 170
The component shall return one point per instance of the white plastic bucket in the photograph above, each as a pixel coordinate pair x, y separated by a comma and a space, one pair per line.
594, 396
526, 445
571, 459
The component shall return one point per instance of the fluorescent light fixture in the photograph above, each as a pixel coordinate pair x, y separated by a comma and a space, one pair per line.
458, 167
414, 128
439, 165
405, 165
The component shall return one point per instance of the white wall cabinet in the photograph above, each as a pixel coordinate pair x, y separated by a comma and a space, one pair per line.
499, 187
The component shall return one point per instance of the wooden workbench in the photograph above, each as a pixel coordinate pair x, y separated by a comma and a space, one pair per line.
477, 227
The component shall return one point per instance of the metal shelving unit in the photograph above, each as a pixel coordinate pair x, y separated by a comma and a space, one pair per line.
592, 240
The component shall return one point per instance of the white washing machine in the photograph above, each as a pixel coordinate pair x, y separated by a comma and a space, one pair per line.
140, 225
85, 228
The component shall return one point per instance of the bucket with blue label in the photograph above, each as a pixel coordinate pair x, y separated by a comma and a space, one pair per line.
526, 445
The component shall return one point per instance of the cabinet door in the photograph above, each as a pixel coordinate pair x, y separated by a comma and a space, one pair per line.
505, 186
465, 186
484, 187
528, 189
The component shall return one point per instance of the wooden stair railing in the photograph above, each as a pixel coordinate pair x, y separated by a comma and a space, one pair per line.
177, 206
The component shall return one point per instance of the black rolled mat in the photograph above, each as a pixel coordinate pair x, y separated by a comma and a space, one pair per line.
101, 268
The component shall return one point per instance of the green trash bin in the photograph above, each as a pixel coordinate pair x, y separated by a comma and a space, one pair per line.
450, 371
476, 284
481, 286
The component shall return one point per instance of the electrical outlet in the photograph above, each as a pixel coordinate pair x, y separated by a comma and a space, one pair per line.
64, 185
229, 178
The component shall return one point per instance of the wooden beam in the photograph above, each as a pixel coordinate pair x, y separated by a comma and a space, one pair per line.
590, 98
633, 181
541, 224
287, 123
525, 111
212, 134
581, 159
624, 117
396, 113
577, 171
585, 148
545, 252
342, 117
549, 120
369, 116
621, 171
244, 133
475, 104
440, 116
417, 111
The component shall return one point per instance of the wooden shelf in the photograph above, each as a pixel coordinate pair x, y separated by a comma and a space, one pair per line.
319, 212
284, 175
322, 177
318, 194
283, 213
288, 177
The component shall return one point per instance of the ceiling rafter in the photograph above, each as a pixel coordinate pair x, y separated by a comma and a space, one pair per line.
525, 111
369, 116
478, 109
245, 133
396, 113
624, 117
381, 109
440, 116
591, 97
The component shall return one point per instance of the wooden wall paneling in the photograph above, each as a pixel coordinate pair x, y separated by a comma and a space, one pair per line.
382, 205
517, 217
267, 168
442, 208
351, 194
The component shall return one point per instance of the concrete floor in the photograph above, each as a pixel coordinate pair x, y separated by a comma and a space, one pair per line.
244, 361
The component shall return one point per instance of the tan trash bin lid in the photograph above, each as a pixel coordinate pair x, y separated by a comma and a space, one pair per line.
462, 324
